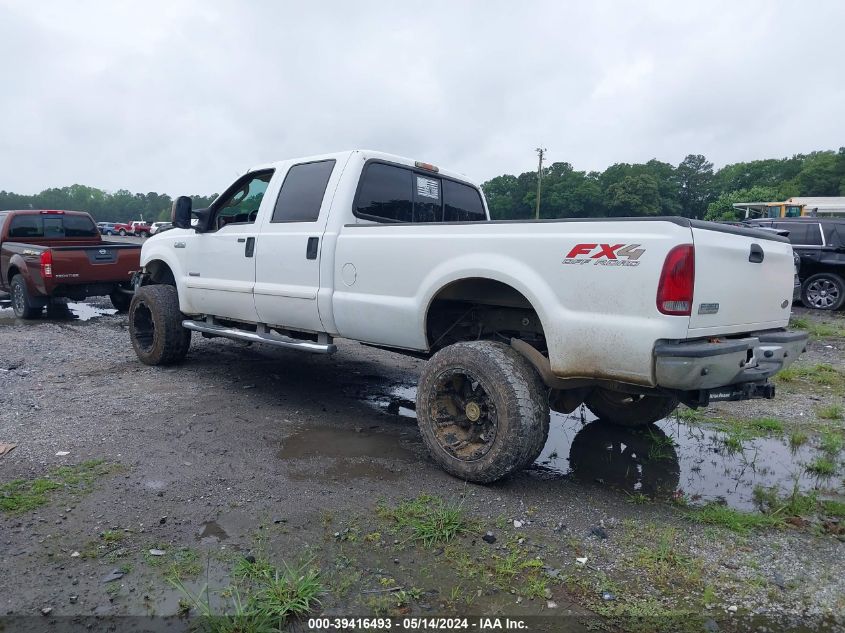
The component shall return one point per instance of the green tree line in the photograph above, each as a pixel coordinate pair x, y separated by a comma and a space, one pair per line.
120, 206
692, 188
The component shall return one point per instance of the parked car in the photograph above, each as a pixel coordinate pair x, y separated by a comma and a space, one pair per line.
138, 227
820, 243
627, 315
157, 227
49, 254
106, 228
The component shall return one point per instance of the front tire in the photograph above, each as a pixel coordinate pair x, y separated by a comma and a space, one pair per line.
482, 410
627, 409
823, 291
122, 232
23, 304
155, 326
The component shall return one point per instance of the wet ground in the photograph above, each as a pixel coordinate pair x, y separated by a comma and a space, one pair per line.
247, 449
671, 458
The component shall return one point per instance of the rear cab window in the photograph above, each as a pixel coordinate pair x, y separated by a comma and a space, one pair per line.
51, 226
394, 193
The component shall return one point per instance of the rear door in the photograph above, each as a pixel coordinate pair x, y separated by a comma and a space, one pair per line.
743, 280
287, 277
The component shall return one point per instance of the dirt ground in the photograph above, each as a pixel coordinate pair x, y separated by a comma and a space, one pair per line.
315, 462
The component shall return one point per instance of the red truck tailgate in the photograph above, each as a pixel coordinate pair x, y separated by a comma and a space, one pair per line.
94, 263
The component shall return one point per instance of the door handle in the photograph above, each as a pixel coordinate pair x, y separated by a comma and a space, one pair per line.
311, 248
756, 255
249, 249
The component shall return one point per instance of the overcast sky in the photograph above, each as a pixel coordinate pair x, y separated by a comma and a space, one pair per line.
181, 96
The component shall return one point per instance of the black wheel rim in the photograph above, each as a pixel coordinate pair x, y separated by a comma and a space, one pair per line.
143, 327
18, 299
823, 293
464, 415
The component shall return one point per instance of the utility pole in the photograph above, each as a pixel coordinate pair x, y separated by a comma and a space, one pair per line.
540, 152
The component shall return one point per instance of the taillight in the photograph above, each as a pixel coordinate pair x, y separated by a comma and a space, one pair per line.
674, 291
47, 265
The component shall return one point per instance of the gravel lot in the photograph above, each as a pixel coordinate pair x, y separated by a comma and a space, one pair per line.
253, 451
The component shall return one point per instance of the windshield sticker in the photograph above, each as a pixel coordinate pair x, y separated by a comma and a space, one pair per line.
428, 187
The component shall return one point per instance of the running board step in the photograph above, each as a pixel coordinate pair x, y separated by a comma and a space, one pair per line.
271, 338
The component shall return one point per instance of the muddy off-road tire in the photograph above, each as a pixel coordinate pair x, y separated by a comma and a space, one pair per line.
120, 300
627, 409
482, 410
23, 304
155, 326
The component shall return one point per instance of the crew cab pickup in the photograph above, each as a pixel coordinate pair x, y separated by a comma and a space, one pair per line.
52, 254
627, 315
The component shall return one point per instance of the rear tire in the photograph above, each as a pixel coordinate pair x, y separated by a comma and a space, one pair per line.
122, 232
482, 410
155, 326
823, 291
626, 409
120, 300
23, 304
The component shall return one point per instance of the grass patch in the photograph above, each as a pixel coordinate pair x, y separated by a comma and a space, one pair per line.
797, 439
428, 518
178, 564
823, 466
834, 508
22, 495
766, 425
830, 412
832, 442
734, 520
819, 374
817, 329
263, 597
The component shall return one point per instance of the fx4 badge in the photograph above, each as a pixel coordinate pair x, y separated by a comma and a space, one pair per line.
605, 254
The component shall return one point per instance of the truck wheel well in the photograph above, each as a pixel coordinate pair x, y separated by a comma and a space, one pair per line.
478, 308
13, 270
160, 273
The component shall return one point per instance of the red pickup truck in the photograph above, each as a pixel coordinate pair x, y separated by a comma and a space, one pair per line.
137, 227
52, 254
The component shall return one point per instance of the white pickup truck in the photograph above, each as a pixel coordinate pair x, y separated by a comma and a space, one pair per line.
627, 315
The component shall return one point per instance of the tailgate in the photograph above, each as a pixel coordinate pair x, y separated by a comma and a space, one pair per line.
743, 280
91, 264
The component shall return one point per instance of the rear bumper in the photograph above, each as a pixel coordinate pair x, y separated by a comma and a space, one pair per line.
704, 365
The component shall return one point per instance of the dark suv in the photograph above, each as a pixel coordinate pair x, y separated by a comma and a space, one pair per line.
820, 242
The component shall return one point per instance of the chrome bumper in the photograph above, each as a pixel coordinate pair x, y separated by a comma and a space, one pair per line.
696, 365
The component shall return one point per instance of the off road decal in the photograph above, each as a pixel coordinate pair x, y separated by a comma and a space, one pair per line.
604, 255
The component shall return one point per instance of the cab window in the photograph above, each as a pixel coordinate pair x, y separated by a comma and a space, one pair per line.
390, 193
802, 233
240, 203
303, 191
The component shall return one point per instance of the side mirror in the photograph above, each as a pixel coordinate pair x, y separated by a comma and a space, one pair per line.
180, 214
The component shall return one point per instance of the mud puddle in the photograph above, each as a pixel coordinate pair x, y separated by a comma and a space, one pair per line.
666, 459
370, 453
60, 312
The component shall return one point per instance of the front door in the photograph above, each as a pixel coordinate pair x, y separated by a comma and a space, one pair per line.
287, 278
221, 267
